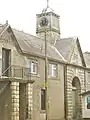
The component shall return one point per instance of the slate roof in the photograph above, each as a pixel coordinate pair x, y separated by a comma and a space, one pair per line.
34, 45
48, 9
1, 28
65, 45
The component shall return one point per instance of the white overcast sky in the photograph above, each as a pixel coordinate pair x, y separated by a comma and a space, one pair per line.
74, 16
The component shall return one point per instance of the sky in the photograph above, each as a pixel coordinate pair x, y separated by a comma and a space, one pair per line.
74, 17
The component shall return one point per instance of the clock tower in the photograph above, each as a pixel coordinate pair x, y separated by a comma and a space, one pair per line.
52, 28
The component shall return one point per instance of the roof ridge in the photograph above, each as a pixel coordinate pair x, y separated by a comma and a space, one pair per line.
32, 36
1, 25
26, 33
3, 29
59, 53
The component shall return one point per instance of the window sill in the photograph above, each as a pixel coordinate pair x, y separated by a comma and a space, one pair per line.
53, 78
35, 75
4, 76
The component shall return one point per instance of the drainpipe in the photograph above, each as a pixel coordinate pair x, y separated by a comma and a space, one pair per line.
65, 92
85, 80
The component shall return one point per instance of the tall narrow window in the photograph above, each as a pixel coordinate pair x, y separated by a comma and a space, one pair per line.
42, 99
5, 61
52, 70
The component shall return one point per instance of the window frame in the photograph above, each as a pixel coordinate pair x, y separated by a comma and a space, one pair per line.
88, 77
31, 66
54, 68
6, 61
88, 102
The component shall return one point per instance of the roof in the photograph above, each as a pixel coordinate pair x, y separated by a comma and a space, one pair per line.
87, 58
48, 9
1, 28
34, 45
65, 46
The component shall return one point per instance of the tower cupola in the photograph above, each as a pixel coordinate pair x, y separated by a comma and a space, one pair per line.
52, 29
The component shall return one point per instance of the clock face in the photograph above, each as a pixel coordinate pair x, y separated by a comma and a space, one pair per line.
43, 22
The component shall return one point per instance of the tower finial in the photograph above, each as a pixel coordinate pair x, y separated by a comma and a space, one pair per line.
47, 3
46, 9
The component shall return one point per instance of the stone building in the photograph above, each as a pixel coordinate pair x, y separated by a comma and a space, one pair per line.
22, 68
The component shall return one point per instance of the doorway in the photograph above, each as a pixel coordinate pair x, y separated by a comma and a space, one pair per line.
76, 98
6, 61
23, 101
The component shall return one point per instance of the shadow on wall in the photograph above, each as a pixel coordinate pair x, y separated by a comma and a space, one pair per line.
5, 102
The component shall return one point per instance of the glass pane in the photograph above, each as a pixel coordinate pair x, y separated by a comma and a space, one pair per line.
33, 67
42, 99
53, 66
50, 69
88, 106
53, 72
88, 99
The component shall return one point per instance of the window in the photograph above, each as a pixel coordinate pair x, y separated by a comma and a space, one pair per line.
33, 67
88, 102
52, 70
5, 61
88, 78
42, 99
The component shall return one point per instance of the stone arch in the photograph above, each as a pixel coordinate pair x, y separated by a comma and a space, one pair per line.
76, 98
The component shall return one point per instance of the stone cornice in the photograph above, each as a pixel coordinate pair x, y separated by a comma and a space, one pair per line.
48, 29
48, 13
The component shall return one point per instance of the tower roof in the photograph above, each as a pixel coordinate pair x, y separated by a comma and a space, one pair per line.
48, 9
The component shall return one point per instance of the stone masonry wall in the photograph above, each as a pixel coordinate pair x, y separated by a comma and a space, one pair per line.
30, 100
71, 73
15, 100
